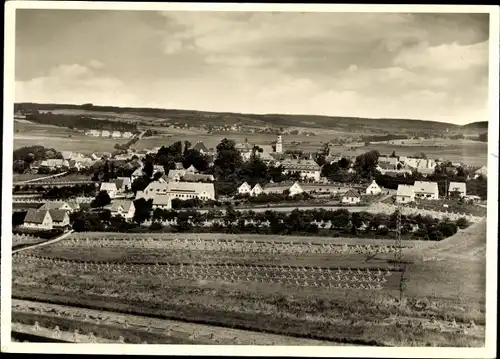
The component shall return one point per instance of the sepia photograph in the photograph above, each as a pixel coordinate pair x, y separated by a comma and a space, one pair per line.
219, 176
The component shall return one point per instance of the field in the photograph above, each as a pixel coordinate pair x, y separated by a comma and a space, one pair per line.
338, 291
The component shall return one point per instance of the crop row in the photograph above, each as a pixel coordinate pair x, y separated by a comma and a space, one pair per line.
233, 246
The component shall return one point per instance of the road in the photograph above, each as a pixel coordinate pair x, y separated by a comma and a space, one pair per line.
40, 178
54, 240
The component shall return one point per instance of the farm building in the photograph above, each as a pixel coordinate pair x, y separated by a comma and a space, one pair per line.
94, 133
351, 197
200, 146
457, 189
174, 175
67, 155
196, 177
244, 188
105, 133
426, 190
180, 190
256, 190
389, 160
116, 134
373, 188
405, 194
308, 169
418, 164
54, 163
123, 208
110, 188
38, 219
59, 218
295, 189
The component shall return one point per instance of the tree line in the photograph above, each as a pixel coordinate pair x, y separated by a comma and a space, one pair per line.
80, 122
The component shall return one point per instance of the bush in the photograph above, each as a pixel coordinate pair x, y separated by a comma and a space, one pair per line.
436, 235
462, 223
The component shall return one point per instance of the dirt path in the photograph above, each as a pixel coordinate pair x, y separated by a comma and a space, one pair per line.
54, 240
40, 178
198, 332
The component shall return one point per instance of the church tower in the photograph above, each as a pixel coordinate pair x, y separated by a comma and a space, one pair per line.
279, 145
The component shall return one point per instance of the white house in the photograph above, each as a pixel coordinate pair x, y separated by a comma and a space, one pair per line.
256, 190
244, 188
405, 194
123, 208
109, 187
54, 163
136, 174
38, 219
175, 175
459, 188
116, 134
162, 202
308, 169
373, 188
94, 133
127, 134
351, 197
191, 169
426, 190
59, 218
295, 189
180, 190
123, 184
57, 205
105, 133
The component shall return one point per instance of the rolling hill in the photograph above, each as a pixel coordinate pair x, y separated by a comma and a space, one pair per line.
353, 124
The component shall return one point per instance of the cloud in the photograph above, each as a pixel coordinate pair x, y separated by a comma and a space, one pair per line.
72, 83
444, 57
96, 64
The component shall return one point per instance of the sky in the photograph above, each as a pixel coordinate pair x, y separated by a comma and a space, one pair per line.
398, 65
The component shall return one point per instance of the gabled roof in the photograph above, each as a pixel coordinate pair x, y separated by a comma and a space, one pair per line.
298, 165
137, 172
162, 200
245, 185
58, 215
52, 205
192, 187
258, 187
173, 173
457, 186
118, 183
200, 146
35, 216
116, 204
405, 190
425, 187
108, 186
195, 177
352, 194
192, 169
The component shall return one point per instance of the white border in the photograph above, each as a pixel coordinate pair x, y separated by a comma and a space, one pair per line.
490, 349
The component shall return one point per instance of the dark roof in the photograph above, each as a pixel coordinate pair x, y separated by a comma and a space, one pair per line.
35, 216
194, 177
118, 182
352, 193
57, 215
200, 146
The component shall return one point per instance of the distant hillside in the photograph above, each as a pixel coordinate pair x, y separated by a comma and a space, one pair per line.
480, 125
351, 124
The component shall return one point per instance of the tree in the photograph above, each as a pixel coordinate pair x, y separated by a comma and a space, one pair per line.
393, 154
102, 199
228, 160
142, 210
148, 167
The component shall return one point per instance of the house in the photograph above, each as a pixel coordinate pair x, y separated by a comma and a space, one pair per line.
351, 197
67, 155
116, 134
123, 208
457, 188
59, 218
196, 177
295, 189
94, 133
418, 164
373, 188
54, 163
136, 174
405, 194
105, 133
308, 169
36, 219
244, 189
179, 166
200, 146
75, 206
57, 205
109, 187
426, 190
389, 160
122, 184
386, 168
175, 175
256, 190
192, 169
162, 202
127, 134
158, 168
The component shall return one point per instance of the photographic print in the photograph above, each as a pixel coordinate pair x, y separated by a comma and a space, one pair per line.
250, 175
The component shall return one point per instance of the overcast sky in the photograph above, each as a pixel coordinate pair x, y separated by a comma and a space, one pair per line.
421, 66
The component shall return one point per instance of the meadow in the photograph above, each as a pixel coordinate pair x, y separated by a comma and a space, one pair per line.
342, 293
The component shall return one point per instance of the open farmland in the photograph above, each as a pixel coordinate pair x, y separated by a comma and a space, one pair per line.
338, 290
